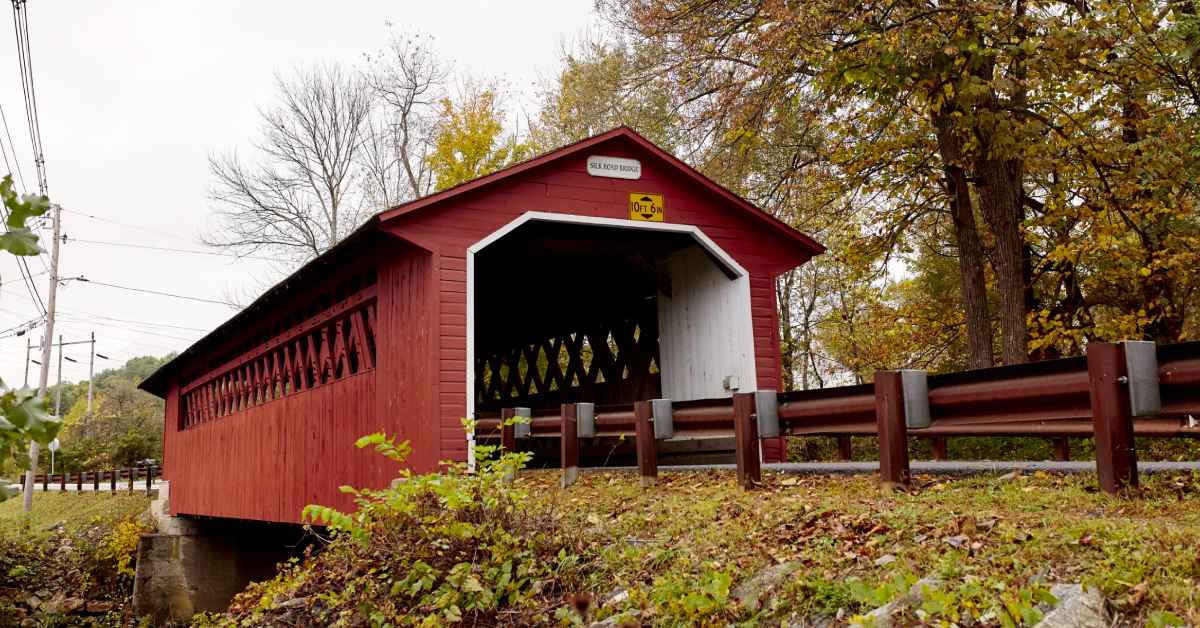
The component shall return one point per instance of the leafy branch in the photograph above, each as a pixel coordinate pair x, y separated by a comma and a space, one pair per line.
24, 417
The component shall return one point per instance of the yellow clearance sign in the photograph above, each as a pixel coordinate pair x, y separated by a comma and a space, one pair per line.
646, 207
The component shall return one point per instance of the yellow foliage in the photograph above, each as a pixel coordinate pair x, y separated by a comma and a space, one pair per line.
470, 140
120, 546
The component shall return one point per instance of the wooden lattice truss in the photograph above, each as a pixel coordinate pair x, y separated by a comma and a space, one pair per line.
614, 363
334, 344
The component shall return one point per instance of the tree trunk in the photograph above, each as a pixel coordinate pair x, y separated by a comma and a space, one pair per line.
1001, 201
970, 250
787, 339
1000, 194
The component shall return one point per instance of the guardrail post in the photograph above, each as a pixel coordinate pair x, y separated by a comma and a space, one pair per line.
62, 482
1062, 448
132, 473
939, 448
766, 408
845, 448
745, 434
893, 432
149, 479
647, 448
95, 481
79, 482
1112, 419
570, 444
112, 480
663, 414
524, 429
508, 433
45, 482
585, 419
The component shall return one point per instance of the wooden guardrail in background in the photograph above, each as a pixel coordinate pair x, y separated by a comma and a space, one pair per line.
1088, 396
126, 477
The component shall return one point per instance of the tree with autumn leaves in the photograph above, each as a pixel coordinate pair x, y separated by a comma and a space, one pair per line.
996, 181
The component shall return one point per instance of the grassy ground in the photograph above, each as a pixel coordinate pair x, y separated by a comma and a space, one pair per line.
70, 561
75, 511
677, 548
477, 549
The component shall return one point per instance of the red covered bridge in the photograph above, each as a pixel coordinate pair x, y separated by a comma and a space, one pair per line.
605, 271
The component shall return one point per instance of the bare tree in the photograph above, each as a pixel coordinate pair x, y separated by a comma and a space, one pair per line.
301, 194
408, 80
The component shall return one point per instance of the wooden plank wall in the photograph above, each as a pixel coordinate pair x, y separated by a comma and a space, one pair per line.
705, 329
565, 187
405, 353
270, 461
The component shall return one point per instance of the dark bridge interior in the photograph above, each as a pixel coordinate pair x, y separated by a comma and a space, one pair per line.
568, 312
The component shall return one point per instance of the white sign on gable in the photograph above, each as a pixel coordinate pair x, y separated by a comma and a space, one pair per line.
614, 167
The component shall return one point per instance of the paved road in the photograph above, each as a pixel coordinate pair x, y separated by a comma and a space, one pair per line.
122, 486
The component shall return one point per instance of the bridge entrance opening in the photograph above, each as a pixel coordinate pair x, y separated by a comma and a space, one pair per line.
565, 309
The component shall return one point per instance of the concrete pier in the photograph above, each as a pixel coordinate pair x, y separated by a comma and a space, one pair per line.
193, 565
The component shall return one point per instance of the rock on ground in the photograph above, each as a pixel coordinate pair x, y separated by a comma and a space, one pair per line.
749, 593
1077, 608
882, 616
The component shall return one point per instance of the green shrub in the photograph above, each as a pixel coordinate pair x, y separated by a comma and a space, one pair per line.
975, 601
456, 546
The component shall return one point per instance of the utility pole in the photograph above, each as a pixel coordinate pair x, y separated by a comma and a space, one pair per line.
61, 356
58, 386
28, 348
44, 376
91, 369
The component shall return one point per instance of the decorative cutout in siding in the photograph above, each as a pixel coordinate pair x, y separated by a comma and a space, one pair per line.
334, 344
611, 364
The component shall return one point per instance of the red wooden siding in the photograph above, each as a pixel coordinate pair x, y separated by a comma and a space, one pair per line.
269, 461
406, 360
564, 186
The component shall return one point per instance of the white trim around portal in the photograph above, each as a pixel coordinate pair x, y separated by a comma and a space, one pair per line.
619, 223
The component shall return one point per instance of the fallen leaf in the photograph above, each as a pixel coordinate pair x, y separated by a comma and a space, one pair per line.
1137, 594
956, 541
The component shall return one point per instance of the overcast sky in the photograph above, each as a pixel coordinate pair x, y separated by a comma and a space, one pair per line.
134, 96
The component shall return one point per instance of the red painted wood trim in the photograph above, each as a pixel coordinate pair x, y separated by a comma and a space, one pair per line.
355, 300
811, 246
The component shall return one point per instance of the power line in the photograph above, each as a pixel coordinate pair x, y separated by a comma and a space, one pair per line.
5, 283
160, 293
25, 60
22, 328
133, 322
4, 151
128, 329
175, 250
26, 276
13, 148
126, 225
79, 314
29, 283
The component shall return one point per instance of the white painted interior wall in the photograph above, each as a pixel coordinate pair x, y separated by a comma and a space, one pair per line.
705, 330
